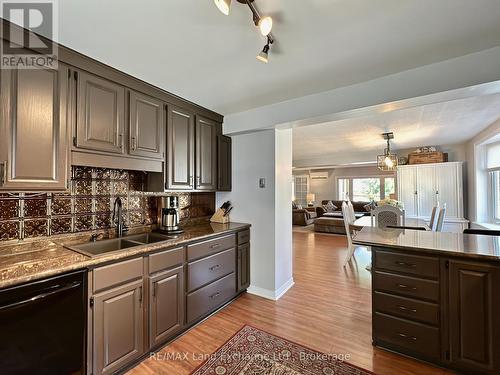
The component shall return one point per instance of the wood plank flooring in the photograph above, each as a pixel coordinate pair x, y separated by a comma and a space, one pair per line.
328, 309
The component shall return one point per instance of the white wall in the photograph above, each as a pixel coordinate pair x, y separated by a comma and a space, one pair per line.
476, 174
264, 154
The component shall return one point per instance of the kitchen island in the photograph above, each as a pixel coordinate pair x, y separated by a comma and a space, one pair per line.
436, 296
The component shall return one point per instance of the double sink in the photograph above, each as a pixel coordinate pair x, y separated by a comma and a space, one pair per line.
96, 248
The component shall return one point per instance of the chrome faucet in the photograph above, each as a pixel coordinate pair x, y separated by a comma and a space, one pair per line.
117, 213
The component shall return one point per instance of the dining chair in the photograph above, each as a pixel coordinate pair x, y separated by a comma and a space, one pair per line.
433, 216
388, 215
351, 211
440, 219
347, 224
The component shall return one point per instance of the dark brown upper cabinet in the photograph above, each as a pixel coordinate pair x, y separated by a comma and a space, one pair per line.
224, 167
33, 129
474, 306
180, 149
100, 114
147, 121
206, 154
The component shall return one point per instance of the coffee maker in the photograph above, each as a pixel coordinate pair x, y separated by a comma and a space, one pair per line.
169, 215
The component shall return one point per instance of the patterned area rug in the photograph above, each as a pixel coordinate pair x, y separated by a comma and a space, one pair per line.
252, 351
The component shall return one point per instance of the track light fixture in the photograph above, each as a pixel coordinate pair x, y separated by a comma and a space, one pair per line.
264, 55
265, 24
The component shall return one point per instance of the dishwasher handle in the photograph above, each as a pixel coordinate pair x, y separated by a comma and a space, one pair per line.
73, 285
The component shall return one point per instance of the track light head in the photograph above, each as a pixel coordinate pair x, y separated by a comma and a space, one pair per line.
223, 5
264, 55
265, 25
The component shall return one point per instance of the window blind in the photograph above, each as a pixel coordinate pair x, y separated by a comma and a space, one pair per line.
493, 156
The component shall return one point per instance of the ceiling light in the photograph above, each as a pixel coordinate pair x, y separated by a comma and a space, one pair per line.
263, 56
223, 5
265, 25
388, 161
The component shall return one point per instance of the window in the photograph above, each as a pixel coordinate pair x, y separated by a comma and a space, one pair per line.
301, 188
493, 165
366, 188
495, 195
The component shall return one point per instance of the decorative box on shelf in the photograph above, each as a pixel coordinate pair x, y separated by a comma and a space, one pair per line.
427, 157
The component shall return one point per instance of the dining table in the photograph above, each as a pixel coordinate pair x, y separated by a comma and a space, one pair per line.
368, 221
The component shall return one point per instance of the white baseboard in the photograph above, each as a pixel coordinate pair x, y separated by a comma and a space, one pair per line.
270, 294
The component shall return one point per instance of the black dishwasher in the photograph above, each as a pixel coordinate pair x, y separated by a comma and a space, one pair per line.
42, 326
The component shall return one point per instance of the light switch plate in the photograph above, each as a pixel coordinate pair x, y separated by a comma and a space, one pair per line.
262, 183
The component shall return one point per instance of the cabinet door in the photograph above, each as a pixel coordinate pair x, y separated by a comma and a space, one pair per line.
474, 308
243, 267
448, 185
407, 189
224, 164
146, 126
118, 327
100, 114
426, 190
206, 154
166, 314
33, 129
180, 149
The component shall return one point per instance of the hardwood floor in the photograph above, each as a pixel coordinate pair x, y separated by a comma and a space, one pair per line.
328, 309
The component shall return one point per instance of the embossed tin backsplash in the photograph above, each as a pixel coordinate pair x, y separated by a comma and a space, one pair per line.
88, 205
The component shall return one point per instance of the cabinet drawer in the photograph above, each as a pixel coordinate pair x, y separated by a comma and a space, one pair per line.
117, 273
206, 270
408, 308
202, 249
409, 336
206, 299
166, 259
243, 237
406, 286
421, 266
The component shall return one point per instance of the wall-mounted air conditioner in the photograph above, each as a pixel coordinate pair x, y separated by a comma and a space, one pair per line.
319, 175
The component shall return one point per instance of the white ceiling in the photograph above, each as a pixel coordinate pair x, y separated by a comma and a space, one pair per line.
190, 49
435, 124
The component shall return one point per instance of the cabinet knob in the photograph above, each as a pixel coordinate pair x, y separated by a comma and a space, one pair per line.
3, 173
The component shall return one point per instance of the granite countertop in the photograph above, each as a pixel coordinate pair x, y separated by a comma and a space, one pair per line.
32, 260
451, 244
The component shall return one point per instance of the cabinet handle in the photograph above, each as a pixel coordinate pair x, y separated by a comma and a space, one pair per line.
155, 286
405, 336
198, 180
191, 181
215, 246
402, 308
213, 268
405, 264
215, 295
120, 141
403, 286
140, 295
3, 173
416, 192
134, 144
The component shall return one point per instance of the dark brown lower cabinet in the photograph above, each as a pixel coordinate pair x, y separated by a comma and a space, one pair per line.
448, 315
166, 314
118, 336
474, 316
243, 266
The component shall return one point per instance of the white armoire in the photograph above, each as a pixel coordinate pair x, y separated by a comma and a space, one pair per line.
422, 186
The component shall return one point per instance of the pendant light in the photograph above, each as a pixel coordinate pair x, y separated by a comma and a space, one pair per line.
223, 5
264, 55
388, 161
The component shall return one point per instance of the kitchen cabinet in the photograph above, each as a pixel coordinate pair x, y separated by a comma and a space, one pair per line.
147, 120
166, 314
422, 186
33, 129
100, 114
180, 149
206, 154
118, 335
224, 165
474, 308
243, 267
437, 308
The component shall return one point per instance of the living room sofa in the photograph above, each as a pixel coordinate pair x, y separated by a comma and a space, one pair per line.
303, 216
333, 222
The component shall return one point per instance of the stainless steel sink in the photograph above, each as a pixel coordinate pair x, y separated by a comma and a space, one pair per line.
93, 249
147, 238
